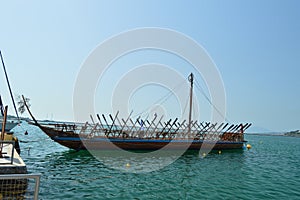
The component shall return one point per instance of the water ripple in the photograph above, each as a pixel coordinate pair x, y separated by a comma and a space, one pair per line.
270, 170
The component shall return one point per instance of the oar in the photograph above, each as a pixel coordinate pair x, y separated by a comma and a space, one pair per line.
92, 119
150, 124
101, 125
224, 127
111, 126
113, 120
234, 128
123, 128
83, 128
193, 135
230, 127
106, 130
93, 130
114, 124
125, 122
180, 125
238, 129
168, 132
221, 125
211, 128
134, 126
156, 126
103, 116
202, 130
186, 129
166, 124
246, 127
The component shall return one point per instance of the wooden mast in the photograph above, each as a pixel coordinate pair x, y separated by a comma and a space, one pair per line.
191, 79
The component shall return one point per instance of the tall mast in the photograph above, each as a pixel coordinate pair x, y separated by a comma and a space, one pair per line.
11, 95
191, 79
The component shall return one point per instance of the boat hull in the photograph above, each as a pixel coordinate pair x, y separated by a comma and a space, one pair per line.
74, 141
142, 144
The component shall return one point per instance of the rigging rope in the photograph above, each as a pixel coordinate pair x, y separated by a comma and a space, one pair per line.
186, 103
161, 100
209, 101
170, 93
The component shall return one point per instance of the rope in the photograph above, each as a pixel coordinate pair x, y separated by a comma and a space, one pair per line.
161, 100
208, 99
186, 103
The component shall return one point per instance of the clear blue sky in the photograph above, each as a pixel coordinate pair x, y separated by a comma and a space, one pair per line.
255, 45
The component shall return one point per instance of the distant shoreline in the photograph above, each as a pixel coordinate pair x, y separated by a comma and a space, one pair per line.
293, 133
266, 134
287, 134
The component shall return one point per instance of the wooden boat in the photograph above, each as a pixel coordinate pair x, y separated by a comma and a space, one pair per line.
145, 135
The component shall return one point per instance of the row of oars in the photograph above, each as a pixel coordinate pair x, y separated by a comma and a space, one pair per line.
156, 128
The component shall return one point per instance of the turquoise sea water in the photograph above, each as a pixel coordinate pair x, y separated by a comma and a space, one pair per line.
270, 170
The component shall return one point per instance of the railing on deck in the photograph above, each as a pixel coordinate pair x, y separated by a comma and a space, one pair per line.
19, 186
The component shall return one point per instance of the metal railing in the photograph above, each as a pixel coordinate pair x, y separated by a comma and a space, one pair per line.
19, 186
